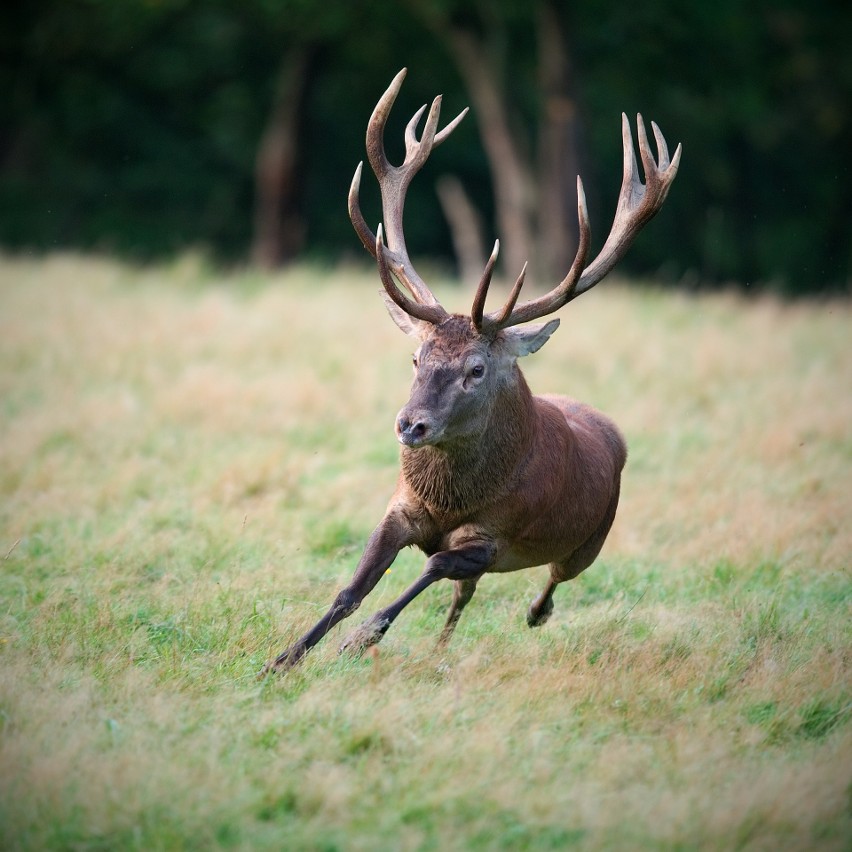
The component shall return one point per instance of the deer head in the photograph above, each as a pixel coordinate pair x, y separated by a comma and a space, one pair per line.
465, 362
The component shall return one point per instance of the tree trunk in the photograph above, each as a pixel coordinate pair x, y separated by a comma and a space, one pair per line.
465, 228
514, 184
279, 226
558, 160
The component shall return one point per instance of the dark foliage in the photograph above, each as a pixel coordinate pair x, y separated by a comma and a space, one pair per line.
131, 126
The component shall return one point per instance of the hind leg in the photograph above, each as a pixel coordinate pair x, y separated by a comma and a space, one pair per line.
462, 593
541, 608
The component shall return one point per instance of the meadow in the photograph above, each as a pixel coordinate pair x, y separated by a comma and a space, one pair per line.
190, 463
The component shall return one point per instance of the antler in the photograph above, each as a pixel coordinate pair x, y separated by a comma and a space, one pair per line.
637, 204
432, 313
394, 181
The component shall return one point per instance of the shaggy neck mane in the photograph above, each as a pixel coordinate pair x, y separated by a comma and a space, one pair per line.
469, 473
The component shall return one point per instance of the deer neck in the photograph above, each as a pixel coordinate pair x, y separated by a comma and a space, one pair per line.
467, 474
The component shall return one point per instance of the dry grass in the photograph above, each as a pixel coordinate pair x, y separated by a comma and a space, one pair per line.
188, 469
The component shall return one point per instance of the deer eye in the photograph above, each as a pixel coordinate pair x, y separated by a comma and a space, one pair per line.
414, 361
478, 371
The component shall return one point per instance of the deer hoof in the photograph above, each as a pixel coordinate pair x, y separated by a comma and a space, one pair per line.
283, 662
369, 633
537, 617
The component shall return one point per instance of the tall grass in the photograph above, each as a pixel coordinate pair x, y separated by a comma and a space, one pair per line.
189, 466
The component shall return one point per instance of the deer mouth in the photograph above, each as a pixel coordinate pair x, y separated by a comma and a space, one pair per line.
414, 433
413, 443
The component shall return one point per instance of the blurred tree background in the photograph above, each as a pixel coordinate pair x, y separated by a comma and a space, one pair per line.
144, 127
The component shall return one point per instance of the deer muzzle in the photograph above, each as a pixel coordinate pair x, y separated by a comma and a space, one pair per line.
414, 432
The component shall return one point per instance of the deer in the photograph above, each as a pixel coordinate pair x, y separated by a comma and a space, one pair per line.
492, 478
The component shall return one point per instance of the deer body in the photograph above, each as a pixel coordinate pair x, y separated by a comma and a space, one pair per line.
536, 481
492, 478
555, 498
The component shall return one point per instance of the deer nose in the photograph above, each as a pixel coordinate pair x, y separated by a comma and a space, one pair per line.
410, 433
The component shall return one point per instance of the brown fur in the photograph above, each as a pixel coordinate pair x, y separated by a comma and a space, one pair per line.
503, 481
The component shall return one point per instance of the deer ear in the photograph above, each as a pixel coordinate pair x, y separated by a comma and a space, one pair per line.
526, 339
415, 327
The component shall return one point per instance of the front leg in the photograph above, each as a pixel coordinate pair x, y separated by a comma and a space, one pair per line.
468, 562
389, 537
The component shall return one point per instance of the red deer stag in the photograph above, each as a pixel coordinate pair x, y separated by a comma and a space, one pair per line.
492, 478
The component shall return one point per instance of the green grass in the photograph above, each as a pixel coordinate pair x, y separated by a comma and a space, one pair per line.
189, 467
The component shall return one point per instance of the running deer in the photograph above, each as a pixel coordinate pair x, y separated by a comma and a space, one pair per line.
492, 478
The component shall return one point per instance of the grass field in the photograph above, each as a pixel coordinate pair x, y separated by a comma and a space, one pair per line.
189, 466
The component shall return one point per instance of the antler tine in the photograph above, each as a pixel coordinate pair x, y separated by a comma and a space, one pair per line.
367, 237
478, 308
376, 126
394, 181
637, 204
417, 152
500, 320
440, 137
411, 128
434, 314
662, 148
